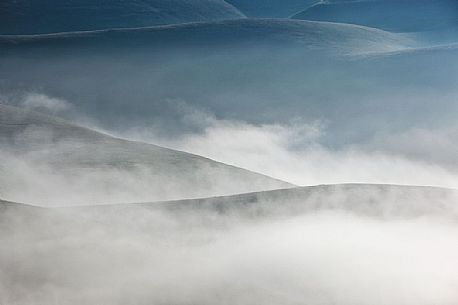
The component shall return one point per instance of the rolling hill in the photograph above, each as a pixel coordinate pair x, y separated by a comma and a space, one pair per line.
380, 201
47, 160
312, 36
372, 200
91, 215
165, 57
238, 69
51, 16
223, 247
389, 15
271, 8
257, 71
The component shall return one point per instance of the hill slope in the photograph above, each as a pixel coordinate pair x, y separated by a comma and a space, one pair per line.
390, 15
271, 8
318, 36
374, 200
51, 16
49, 161
241, 73
215, 250
378, 201
244, 68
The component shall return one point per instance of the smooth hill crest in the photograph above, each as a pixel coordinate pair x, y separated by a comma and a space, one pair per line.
48, 155
53, 16
313, 36
384, 201
389, 15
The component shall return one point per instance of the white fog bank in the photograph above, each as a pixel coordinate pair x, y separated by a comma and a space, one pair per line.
392, 246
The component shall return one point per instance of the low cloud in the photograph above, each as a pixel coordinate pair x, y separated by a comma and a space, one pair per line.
295, 153
433, 145
45, 103
323, 249
135, 255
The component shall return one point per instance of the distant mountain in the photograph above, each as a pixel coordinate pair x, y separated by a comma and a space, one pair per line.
47, 160
51, 16
389, 15
271, 8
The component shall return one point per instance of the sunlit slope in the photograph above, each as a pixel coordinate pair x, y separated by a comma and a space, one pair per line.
47, 160
390, 15
51, 16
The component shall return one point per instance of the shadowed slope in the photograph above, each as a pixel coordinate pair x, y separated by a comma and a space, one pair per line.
271, 8
51, 16
390, 15
259, 71
312, 36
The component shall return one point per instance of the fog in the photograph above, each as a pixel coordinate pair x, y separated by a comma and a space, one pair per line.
261, 72
50, 162
299, 152
398, 249
50, 167
248, 161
